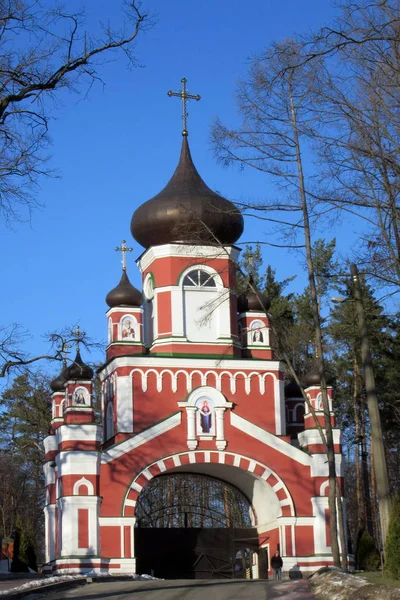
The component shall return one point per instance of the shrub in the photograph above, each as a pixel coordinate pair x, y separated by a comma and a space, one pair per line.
392, 548
367, 554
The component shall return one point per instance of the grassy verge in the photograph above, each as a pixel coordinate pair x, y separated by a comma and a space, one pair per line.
376, 577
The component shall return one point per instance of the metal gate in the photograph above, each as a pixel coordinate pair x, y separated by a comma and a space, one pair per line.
194, 553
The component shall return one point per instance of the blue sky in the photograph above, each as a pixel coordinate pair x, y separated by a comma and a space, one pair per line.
119, 146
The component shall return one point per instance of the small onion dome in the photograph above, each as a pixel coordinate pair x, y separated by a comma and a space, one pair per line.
57, 385
249, 300
313, 378
125, 294
292, 390
78, 369
186, 211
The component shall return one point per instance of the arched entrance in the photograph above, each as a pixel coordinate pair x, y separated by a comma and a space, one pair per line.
193, 525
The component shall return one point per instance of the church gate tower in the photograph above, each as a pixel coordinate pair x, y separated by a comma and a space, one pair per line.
190, 388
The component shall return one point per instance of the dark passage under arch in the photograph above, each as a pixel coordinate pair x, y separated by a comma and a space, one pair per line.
194, 526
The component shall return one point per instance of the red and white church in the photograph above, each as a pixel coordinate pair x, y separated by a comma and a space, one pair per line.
190, 384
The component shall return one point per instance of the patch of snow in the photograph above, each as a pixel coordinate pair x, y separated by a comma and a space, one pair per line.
37, 583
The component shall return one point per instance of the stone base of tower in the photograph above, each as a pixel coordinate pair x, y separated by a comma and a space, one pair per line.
84, 566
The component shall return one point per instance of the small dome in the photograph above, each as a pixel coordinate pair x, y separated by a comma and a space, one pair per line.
78, 369
125, 294
57, 385
186, 211
249, 300
312, 378
292, 390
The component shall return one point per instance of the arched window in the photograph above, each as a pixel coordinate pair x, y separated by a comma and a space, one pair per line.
200, 279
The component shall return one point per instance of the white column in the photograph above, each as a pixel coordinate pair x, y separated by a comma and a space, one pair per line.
219, 417
191, 419
50, 532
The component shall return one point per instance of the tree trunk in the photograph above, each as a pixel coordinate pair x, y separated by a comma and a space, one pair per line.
318, 339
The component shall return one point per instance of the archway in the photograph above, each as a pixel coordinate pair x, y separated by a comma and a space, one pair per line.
192, 525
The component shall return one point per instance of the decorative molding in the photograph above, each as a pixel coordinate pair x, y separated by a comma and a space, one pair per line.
186, 250
270, 440
217, 376
141, 438
201, 457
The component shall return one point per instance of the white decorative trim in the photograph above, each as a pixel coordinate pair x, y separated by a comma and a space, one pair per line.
217, 376
312, 436
189, 250
77, 432
113, 521
50, 443
83, 481
197, 457
261, 367
270, 440
141, 438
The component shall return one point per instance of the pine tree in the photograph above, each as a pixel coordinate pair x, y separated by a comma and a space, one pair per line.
24, 422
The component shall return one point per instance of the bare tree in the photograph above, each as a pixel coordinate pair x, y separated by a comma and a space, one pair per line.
358, 102
278, 122
13, 359
45, 48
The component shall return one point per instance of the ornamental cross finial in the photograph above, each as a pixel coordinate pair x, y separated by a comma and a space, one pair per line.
184, 96
124, 249
79, 335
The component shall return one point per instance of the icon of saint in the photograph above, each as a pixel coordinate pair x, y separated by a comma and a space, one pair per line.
128, 331
258, 336
205, 417
80, 397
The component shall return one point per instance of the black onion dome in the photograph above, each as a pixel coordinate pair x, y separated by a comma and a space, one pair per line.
312, 378
57, 385
78, 369
292, 390
249, 300
187, 211
125, 294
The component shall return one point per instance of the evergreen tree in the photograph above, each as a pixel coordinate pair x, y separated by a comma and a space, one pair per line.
24, 422
392, 550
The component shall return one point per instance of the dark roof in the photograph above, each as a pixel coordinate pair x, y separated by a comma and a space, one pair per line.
292, 390
57, 385
125, 294
187, 211
78, 369
312, 378
249, 300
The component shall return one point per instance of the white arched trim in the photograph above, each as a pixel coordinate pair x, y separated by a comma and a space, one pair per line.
201, 457
217, 277
83, 482
323, 487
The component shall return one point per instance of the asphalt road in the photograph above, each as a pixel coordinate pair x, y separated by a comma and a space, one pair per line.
187, 590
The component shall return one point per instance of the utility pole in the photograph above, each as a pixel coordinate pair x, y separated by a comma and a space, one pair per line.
380, 465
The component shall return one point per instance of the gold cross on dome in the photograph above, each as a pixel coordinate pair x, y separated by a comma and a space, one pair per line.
184, 96
124, 249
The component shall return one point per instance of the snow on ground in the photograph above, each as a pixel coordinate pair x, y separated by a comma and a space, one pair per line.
335, 584
37, 583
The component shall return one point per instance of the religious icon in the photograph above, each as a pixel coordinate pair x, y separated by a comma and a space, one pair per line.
205, 417
258, 336
128, 331
79, 397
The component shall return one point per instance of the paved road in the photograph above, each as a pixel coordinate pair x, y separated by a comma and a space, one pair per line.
188, 590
